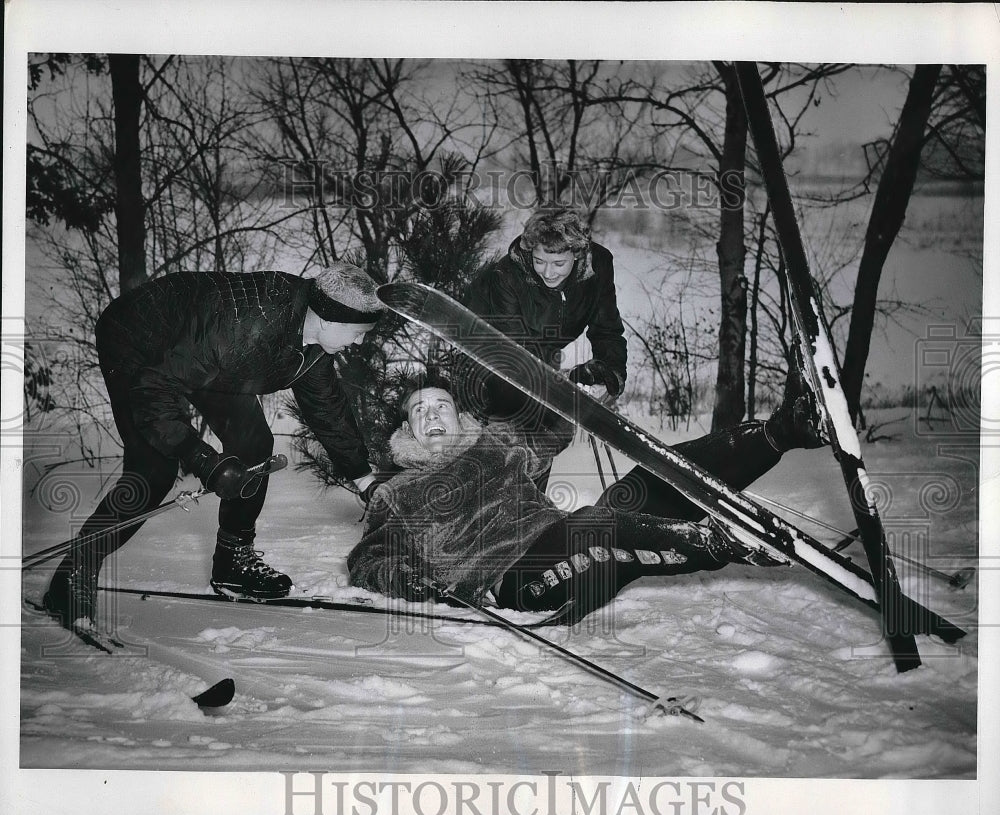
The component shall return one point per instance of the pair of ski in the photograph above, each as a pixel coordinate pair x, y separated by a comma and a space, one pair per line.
747, 520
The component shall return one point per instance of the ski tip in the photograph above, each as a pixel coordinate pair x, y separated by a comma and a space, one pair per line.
219, 695
400, 297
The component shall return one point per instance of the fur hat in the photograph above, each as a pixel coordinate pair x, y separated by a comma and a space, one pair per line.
342, 293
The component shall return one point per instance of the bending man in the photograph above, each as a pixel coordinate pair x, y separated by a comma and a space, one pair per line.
217, 341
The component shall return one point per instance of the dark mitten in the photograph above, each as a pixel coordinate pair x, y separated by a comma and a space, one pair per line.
367, 493
595, 372
226, 476
231, 479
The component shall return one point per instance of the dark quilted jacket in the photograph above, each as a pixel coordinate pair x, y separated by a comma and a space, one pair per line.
512, 297
229, 333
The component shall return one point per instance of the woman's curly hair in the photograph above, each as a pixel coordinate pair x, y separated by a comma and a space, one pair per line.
556, 229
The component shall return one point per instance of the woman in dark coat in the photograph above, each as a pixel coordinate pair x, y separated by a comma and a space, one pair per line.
553, 285
217, 341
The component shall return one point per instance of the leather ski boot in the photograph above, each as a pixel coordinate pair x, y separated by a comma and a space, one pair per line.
238, 571
726, 547
795, 423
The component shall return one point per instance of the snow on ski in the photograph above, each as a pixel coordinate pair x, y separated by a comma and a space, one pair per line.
823, 371
751, 522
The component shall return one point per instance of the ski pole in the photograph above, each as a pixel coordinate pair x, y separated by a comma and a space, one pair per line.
958, 580
38, 558
182, 499
609, 402
611, 461
597, 458
671, 705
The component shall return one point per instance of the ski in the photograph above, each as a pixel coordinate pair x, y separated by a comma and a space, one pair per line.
219, 695
321, 603
754, 525
822, 369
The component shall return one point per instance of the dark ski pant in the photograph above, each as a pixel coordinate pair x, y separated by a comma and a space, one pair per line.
640, 527
148, 475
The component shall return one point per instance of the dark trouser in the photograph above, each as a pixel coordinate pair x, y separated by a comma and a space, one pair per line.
591, 555
738, 456
640, 526
148, 475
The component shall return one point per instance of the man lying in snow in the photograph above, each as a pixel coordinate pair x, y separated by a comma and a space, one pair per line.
465, 512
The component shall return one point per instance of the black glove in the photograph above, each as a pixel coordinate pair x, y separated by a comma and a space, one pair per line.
226, 476
595, 372
367, 493
231, 479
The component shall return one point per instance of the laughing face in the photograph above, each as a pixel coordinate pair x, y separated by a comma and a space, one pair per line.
552, 267
433, 419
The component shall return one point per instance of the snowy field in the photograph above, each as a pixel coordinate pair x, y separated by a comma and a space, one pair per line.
792, 677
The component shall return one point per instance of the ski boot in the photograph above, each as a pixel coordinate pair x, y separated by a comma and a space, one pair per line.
796, 421
72, 594
726, 547
238, 571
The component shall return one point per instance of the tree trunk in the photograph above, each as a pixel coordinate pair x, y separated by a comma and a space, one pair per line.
754, 303
888, 211
730, 402
130, 209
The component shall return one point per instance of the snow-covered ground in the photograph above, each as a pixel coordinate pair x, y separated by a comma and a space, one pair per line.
793, 679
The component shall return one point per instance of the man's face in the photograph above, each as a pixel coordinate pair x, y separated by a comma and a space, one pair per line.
552, 267
333, 337
433, 419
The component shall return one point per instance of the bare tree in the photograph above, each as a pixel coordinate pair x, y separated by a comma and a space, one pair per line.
356, 139
700, 127
89, 221
888, 211
566, 122
675, 343
130, 208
